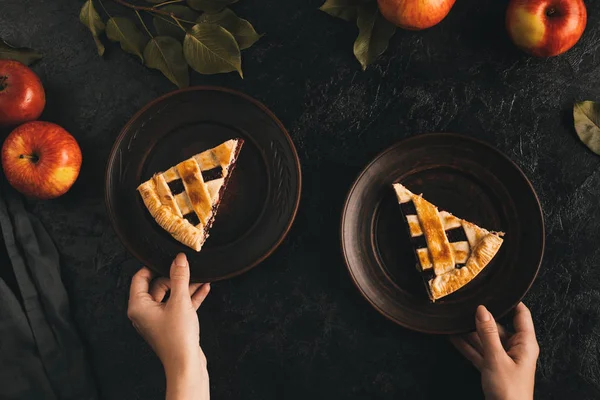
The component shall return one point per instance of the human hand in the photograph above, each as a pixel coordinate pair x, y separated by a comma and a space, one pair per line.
506, 362
171, 328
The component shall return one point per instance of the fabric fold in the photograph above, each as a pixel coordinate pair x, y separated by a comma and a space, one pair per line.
46, 346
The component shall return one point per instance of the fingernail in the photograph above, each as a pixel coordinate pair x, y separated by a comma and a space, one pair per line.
482, 314
181, 260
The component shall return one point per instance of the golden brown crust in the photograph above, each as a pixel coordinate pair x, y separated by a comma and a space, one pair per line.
165, 195
196, 189
424, 260
224, 152
480, 257
449, 221
183, 202
221, 155
462, 252
214, 187
414, 226
199, 197
178, 227
440, 251
476, 253
171, 174
403, 194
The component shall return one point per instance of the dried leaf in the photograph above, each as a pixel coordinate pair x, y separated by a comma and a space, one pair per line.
124, 31
211, 49
210, 6
242, 30
374, 33
166, 55
166, 26
22, 54
90, 18
344, 9
586, 115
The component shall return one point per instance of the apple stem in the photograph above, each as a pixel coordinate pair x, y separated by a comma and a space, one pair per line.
3, 82
33, 158
550, 12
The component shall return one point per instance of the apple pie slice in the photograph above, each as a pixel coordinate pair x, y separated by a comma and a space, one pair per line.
184, 200
450, 251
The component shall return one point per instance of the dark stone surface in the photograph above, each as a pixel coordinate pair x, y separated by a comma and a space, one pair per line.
295, 327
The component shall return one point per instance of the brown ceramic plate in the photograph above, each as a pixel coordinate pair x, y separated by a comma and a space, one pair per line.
473, 181
262, 197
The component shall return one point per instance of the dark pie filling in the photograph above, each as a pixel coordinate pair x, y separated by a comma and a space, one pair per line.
428, 274
408, 208
176, 186
419, 242
224, 186
212, 174
192, 218
456, 235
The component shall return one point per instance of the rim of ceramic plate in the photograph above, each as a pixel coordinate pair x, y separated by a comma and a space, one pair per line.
252, 100
404, 142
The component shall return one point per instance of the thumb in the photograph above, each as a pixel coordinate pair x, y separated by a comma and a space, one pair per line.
487, 330
180, 277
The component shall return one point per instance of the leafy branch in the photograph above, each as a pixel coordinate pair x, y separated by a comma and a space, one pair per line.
586, 115
22, 54
374, 31
202, 34
154, 9
168, 2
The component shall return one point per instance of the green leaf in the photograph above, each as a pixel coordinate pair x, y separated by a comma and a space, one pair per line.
344, 9
90, 18
166, 55
210, 6
166, 26
124, 31
374, 33
22, 54
586, 115
211, 49
242, 30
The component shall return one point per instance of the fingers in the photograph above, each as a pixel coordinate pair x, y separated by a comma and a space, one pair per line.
522, 320
487, 331
180, 277
138, 290
140, 283
473, 339
467, 350
502, 333
523, 323
200, 294
160, 287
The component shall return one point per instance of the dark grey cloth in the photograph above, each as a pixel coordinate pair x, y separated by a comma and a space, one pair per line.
42, 356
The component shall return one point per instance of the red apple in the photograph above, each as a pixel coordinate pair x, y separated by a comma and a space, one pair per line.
415, 14
41, 159
22, 96
545, 28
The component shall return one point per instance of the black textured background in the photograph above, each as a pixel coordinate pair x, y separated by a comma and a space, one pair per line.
295, 327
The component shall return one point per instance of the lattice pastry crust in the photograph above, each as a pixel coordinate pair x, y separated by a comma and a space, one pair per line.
184, 199
450, 251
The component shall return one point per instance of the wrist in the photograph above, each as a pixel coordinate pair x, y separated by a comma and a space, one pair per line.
188, 364
187, 379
